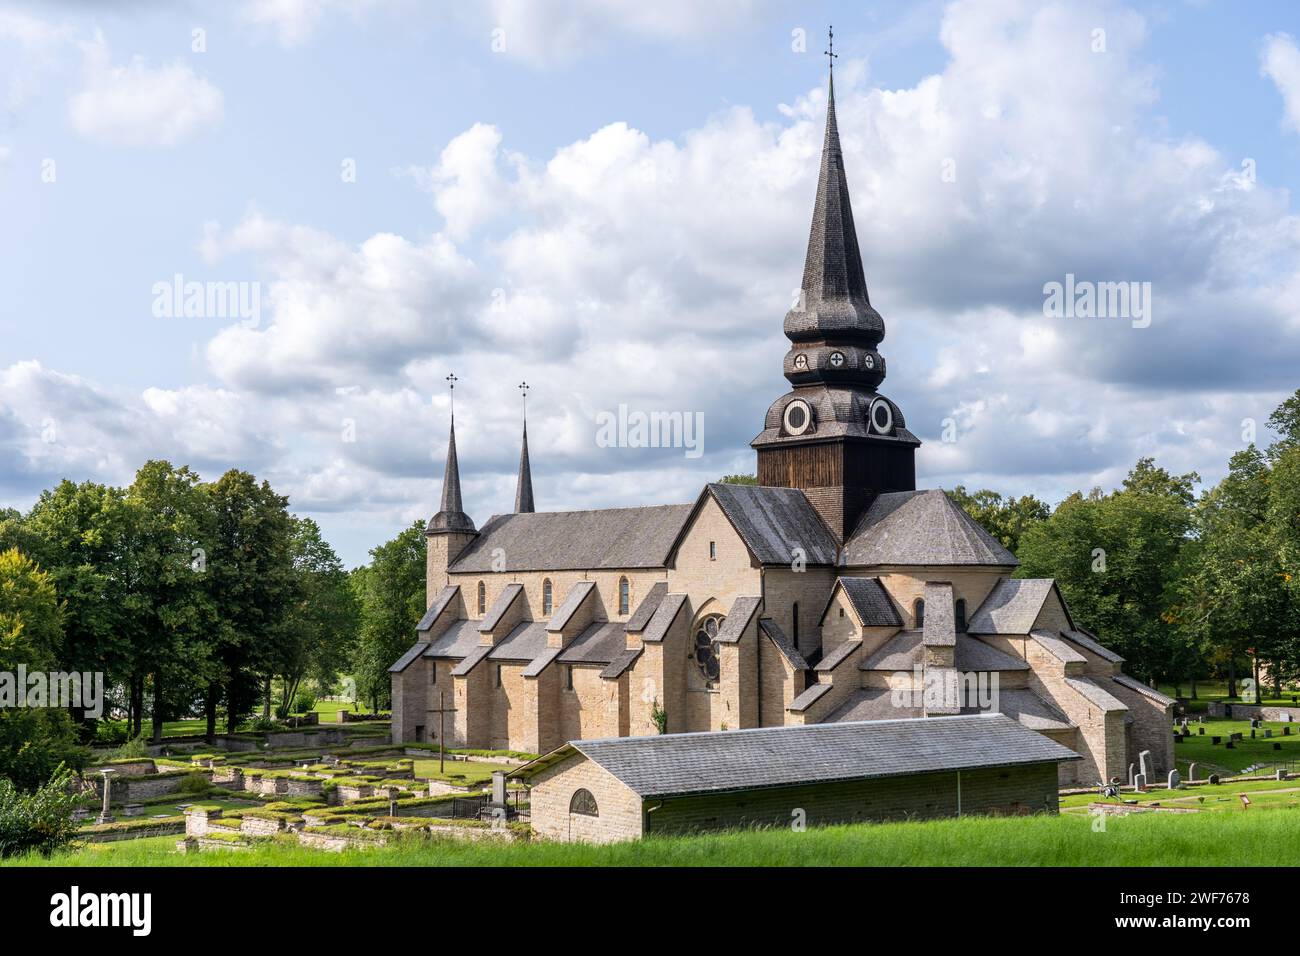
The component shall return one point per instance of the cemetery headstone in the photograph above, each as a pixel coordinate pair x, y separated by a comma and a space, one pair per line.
1214, 779
1140, 782
1215, 741
1201, 729
1191, 772
1144, 764
1268, 732
1174, 780
1281, 773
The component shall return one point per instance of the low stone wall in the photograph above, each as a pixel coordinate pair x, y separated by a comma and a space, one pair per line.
305, 788
1252, 712
135, 768
196, 820
261, 826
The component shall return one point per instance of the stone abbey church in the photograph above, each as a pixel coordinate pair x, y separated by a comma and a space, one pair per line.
834, 590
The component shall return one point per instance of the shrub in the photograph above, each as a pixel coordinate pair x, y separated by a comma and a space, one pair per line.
39, 820
195, 783
303, 702
111, 733
131, 749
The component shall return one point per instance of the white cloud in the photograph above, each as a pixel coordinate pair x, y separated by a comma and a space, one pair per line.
139, 105
294, 21
466, 183
1280, 62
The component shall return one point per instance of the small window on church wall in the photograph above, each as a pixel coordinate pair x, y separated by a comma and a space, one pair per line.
624, 595
482, 598
713, 550
546, 597
706, 649
498, 675
433, 673
960, 609
918, 611
584, 803
568, 677
794, 623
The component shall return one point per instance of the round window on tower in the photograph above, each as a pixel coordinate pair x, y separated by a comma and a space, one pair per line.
798, 417
882, 417
869, 361
800, 362
837, 359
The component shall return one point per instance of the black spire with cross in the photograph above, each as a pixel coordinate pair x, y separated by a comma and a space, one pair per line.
524, 488
451, 515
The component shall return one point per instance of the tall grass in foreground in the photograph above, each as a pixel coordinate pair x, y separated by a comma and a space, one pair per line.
1263, 838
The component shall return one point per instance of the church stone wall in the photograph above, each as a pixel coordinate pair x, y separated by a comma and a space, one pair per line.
779, 684
729, 574
784, 589
594, 707
905, 585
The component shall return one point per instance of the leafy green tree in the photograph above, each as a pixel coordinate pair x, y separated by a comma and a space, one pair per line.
169, 601
392, 602
39, 821
321, 632
1004, 518
33, 740
251, 582
1119, 559
738, 480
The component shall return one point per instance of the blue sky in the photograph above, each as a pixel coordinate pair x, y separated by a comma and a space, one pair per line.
613, 204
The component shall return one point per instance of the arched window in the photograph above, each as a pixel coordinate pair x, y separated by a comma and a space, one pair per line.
547, 602
794, 623
624, 595
706, 648
583, 802
482, 598
960, 609
918, 612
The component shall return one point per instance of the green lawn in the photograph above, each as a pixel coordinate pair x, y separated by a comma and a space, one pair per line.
469, 772
1211, 759
1261, 837
1207, 691
1221, 796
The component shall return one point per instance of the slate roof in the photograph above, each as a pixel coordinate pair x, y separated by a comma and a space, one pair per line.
972, 654
1097, 694
870, 602
1145, 690
439, 605
783, 644
403, 662
940, 628
525, 642
598, 644
569, 607
451, 515
646, 609
898, 653
921, 527
524, 487
733, 760
1062, 650
459, 640
874, 704
1011, 607
773, 522
622, 662
1031, 710
1089, 642
737, 619
471, 660
663, 618
499, 607
608, 539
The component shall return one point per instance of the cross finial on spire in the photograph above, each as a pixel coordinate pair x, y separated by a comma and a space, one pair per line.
831, 55
523, 390
451, 389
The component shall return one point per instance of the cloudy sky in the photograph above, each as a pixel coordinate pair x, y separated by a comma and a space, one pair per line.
610, 200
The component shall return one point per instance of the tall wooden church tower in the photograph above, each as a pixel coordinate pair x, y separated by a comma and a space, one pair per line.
834, 436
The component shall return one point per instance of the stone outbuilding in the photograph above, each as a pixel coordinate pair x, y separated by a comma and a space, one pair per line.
623, 788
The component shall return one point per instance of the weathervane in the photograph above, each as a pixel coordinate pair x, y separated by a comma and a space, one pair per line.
831, 55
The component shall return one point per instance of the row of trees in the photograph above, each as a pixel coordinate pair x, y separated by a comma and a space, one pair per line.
1185, 586
191, 597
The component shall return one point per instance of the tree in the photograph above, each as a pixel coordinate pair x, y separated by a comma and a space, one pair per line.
738, 480
1118, 559
392, 602
320, 634
1004, 518
251, 582
169, 601
34, 741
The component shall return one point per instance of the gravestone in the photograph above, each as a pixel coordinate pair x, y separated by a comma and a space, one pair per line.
1281, 774
1130, 775
1174, 780
1268, 732
1252, 733
1201, 729
1178, 738
1140, 782
1214, 779
1286, 731
1144, 764
1230, 745
1191, 772
1215, 741
1276, 745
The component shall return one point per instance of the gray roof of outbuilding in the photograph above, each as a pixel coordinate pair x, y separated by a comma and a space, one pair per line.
870, 602
1012, 606
730, 760
609, 539
775, 522
921, 528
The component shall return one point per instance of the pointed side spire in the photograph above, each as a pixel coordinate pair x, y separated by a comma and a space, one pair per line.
524, 490
451, 515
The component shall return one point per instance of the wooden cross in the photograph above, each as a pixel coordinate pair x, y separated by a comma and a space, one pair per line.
831, 55
442, 712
